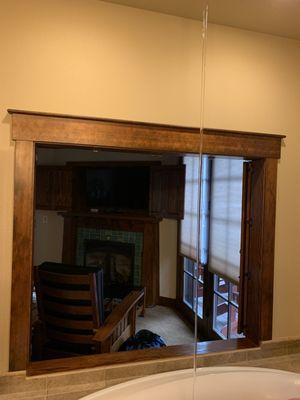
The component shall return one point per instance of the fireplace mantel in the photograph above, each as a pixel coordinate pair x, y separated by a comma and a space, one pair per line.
103, 215
148, 226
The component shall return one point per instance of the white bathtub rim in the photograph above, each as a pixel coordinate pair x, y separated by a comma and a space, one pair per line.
169, 376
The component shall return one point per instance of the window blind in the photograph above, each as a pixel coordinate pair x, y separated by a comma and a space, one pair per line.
204, 210
189, 224
225, 218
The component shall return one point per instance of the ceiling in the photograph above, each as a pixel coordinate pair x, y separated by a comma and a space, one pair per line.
275, 17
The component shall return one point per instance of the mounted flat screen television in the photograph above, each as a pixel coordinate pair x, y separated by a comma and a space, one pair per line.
118, 188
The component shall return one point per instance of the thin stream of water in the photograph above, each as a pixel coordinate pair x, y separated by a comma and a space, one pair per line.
196, 272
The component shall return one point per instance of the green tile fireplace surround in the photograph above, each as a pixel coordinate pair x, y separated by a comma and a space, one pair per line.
108, 235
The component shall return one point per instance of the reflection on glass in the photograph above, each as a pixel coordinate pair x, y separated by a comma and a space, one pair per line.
200, 273
234, 318
188, 290
200, 300
190, 275
234, 294
221, 287
226, 308
220, 316
188, 266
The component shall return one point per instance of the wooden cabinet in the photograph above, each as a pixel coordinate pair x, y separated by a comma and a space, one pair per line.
53, 188
60, 188
167, 191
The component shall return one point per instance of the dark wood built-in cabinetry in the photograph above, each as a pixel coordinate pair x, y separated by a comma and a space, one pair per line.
63, 188
167, 191
53, 187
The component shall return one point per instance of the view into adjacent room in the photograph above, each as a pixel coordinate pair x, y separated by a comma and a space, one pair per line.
115, 250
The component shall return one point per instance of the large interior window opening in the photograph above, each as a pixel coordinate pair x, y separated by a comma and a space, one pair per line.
29, 130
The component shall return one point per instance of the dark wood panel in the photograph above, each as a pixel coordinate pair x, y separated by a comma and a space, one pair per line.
47, 128
66, 279
261, 250
69, 323
110, 216
167, 191
268, 248
166, 302
53, 188
64, 308
69, 364
244, 253
70, 337
67, 294
247, 145
150, 271
22, 255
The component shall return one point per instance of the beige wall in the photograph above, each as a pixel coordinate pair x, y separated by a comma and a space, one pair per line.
167, 258
92, 58
48, 237
253, 83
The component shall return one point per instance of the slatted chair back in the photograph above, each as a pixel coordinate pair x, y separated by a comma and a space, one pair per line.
70, 305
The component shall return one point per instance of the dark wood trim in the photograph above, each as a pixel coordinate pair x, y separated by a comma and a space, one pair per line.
22, 255
244, 253
30, 128
69, 364
166, 302
125, 135
268, 248
98, 215
260, 282
112, 164
111, 120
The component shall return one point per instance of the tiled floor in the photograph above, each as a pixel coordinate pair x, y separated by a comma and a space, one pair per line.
166, 323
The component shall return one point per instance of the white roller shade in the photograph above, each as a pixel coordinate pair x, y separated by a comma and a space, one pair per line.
189, 225
225, 218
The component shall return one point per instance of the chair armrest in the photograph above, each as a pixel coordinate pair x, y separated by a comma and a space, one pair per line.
118, 313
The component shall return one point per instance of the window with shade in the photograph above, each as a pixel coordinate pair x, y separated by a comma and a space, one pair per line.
210, 245
225, 243
193, 260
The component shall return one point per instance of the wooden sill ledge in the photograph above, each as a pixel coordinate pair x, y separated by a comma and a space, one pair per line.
134, 356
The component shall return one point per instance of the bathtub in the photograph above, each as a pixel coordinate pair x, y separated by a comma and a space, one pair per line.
218, 383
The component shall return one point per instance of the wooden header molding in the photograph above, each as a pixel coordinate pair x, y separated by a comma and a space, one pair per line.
124, 135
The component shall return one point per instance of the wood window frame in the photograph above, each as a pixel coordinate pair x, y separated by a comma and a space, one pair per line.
34, 128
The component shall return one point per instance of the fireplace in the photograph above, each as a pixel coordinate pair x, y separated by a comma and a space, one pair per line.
141, 233
117, 261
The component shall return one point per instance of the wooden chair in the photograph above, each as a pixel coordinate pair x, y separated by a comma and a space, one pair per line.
71, 313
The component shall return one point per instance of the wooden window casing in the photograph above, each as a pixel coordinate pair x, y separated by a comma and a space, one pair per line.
30, 129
